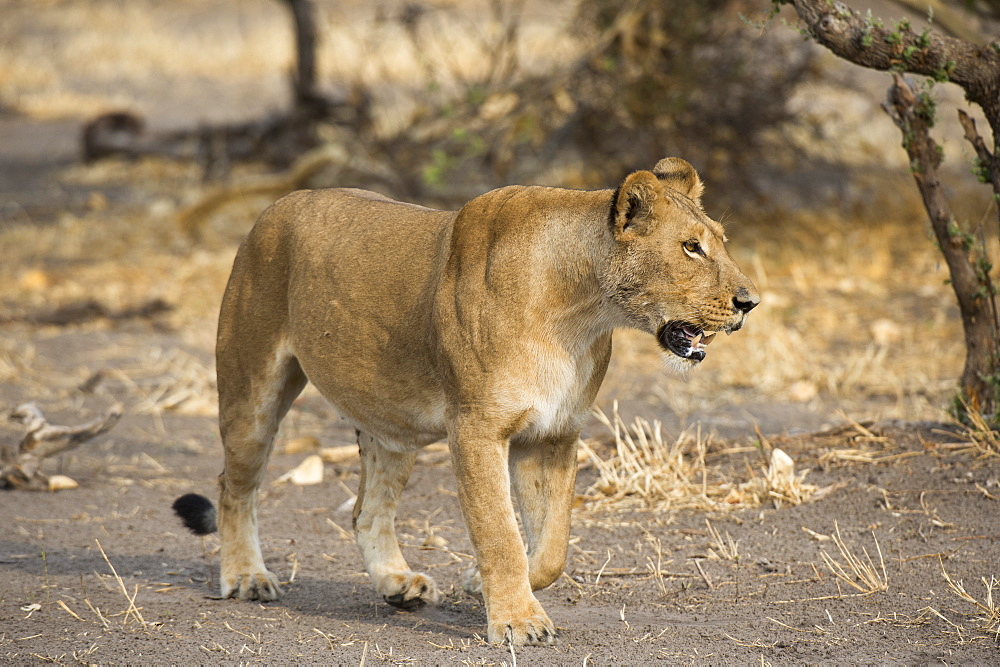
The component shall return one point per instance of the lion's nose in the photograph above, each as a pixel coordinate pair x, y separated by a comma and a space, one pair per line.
745, 300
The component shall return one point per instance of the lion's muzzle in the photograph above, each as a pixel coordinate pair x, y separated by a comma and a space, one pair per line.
688, 340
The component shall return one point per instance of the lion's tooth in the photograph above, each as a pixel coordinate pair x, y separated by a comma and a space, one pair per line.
708, 338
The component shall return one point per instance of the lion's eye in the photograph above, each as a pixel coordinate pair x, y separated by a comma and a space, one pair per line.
692, 247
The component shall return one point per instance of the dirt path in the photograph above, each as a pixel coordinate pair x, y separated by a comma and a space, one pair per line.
923, 510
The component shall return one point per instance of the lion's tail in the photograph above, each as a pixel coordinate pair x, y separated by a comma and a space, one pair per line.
197, 513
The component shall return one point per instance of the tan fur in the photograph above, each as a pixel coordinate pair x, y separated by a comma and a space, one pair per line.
490, 326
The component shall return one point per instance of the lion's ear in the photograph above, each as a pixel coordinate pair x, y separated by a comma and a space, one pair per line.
632, 214
679, 175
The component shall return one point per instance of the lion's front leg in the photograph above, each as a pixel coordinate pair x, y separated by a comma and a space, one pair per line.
383, 475
513, 613
544, 477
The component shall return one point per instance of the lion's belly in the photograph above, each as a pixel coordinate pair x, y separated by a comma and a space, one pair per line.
390, 394
401, 425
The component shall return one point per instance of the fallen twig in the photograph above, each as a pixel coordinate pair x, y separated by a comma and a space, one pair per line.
708, 582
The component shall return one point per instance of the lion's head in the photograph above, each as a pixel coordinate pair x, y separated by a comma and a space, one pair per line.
668, 268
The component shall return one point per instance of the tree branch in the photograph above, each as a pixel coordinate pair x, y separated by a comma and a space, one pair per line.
956, 22
987, 159
304, 79
866, 42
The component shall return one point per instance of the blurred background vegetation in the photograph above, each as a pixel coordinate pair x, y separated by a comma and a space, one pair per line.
438, 101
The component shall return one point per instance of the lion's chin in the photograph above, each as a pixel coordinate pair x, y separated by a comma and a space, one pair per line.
685, 344
678, 366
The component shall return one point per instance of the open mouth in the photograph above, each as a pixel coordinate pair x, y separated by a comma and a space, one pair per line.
684, 339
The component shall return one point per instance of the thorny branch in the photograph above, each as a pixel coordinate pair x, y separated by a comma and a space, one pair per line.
865, 41
913, 116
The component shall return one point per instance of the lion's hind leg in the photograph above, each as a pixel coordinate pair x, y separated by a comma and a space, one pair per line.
249, 412
384, 473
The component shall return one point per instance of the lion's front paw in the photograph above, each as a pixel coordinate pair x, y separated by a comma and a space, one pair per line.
261, 585
532, 629
407, 590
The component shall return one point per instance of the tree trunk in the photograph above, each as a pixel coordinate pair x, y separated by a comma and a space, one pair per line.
867, 42
978, 322
304, 80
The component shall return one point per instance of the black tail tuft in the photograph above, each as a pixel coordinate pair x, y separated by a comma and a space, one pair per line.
197, 513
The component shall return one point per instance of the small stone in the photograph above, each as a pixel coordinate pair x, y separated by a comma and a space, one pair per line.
803, 391
62, 483
310, 471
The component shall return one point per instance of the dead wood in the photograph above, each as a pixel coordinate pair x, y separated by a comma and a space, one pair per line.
88, 310
333, 157
42, 440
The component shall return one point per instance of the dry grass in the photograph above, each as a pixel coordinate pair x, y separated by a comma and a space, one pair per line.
643, 467
248, 51
987, 610
120, 260
646, 470
983, 440
859, 573
139, 57
782, 484
725, 548
131, 611
172, 381
826, 328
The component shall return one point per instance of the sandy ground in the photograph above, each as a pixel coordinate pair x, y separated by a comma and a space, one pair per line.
105, 574
640, 584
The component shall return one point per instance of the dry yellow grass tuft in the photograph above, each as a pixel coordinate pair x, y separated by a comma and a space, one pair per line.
780, 484
859, 573
983, 439
988, 609
726, 547
646, 470
172, 381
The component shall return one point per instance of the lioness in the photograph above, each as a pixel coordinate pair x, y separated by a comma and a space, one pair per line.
490, 326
